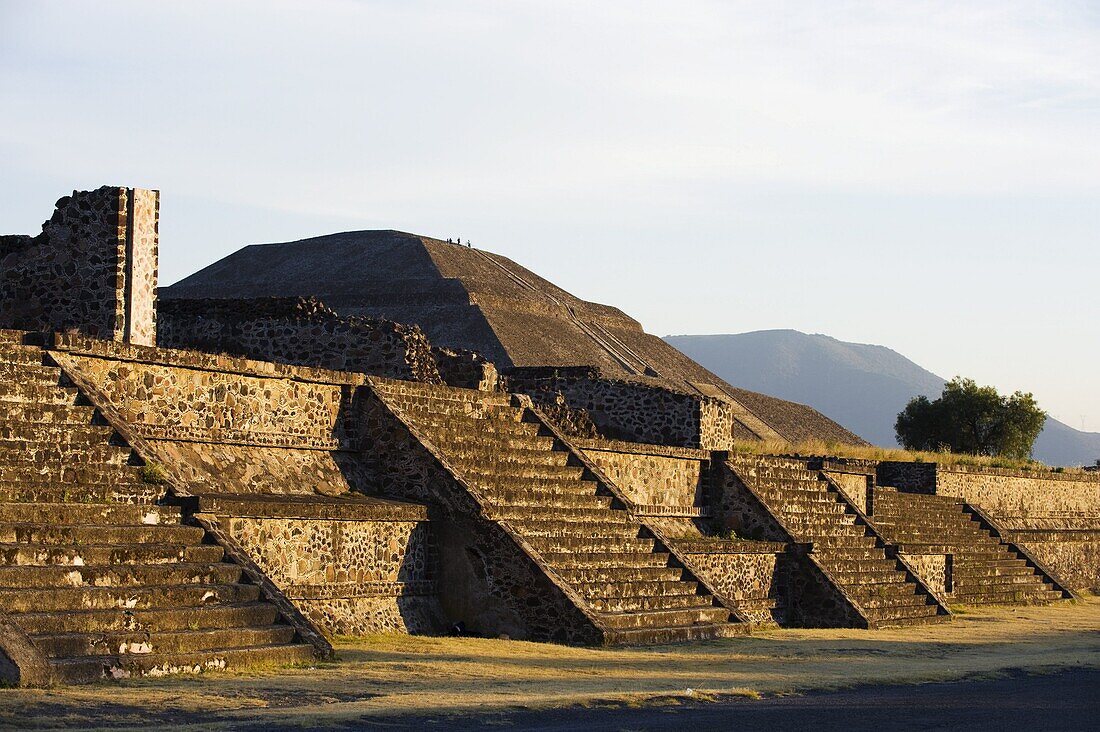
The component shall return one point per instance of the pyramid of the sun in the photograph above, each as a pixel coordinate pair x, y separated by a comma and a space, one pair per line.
471, 299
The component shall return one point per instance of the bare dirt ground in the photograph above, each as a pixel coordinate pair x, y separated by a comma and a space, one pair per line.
406, 682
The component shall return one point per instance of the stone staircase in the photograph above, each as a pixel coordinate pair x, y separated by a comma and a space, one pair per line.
103, 580
533, 485
983, 569
846, 548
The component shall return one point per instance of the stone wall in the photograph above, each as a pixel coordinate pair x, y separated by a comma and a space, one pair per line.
303, 331
93, 269
223, 424
659, 480
352, 575
749, 575
631, 410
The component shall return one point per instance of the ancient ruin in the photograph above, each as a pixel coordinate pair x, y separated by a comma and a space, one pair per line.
377, 431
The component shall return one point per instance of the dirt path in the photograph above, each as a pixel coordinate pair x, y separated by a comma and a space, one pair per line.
432, 682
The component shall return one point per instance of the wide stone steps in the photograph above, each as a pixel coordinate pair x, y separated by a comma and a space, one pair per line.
57, 457
608, 529
572, 516
29, 373
124, 642
551, 499
36, 393
44, 490
93, 534
1013, 596
701, 615
537, 488
507, 458
25, 434
589, 544
31, 555
674, 634
32, 413
617, 574
481, 472
58, 599
21, 354
903, 614
122, 575
64, 514
463, 428
158, 620
83, 669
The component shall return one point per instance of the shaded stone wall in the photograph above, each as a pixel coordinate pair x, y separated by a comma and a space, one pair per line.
351, 577
465, 369
632, 411
303, 331
226, 425
751, 576
658, 479
92, 269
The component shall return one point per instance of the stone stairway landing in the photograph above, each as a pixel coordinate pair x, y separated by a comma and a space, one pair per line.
537, 489
812, 512
983, 569
103, 580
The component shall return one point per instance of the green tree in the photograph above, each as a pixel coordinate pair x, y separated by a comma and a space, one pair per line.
972, 419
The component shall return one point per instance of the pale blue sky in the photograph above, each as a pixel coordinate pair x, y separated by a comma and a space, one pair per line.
920, 175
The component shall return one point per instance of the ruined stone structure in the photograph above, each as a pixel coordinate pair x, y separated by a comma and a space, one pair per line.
280, 468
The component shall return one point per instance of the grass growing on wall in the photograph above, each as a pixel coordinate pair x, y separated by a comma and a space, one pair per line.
831, 449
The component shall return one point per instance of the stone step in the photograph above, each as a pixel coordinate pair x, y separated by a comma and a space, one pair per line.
75, 514
823, 544
675, 634
550, 499
31, 413
93, 534
81, 473
60, 599
900, 615
14, 433
588, 544
21, 354
635, 603
666, 618
120, 575
502, 484
489, 454
796, 518
407, 389
580, 560
617, 574
126, 642
527, 514
897, 589
578, 529
94, 668
57, 458
486, 472
605, 592
47, 491
845, 554
873, 605
36, 555
160, 620
29, 373
1005, 567
36, 393
1011, 597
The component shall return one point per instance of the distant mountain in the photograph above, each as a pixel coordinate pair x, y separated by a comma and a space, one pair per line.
863, 387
